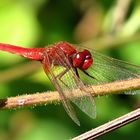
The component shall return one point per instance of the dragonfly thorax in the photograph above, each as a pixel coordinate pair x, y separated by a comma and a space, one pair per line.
82, 60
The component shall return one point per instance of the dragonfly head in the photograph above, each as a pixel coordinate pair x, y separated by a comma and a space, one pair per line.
82, 60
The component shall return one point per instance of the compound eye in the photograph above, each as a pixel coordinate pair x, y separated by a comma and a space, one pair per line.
87, 63
82, 60
78, 60
87, 60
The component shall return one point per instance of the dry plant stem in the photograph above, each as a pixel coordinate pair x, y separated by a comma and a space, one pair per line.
119, 14
48, 97
18, 71
110, 41
112, 125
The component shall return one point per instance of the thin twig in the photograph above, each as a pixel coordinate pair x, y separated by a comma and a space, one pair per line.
18, 71
110, 41
48, 97
119, 14
112, 125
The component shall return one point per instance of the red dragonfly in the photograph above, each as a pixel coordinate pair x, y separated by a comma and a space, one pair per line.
65, 65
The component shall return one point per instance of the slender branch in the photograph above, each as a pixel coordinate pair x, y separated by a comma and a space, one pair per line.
18, 71
112, 125
110, 41
119, 14
49, 97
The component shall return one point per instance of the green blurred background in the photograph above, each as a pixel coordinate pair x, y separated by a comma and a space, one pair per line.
111, 27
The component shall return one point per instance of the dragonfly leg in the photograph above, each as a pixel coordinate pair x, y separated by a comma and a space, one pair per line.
76, 71
88, 74
60, 75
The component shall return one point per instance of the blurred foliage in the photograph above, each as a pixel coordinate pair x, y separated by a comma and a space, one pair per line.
35, 23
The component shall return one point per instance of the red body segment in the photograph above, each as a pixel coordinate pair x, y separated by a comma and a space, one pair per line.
68, 49
30, 53
81, 60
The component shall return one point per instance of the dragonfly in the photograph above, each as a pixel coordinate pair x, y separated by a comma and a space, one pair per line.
69, 66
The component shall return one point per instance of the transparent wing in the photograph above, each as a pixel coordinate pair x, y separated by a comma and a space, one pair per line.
107, 69
65, 80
